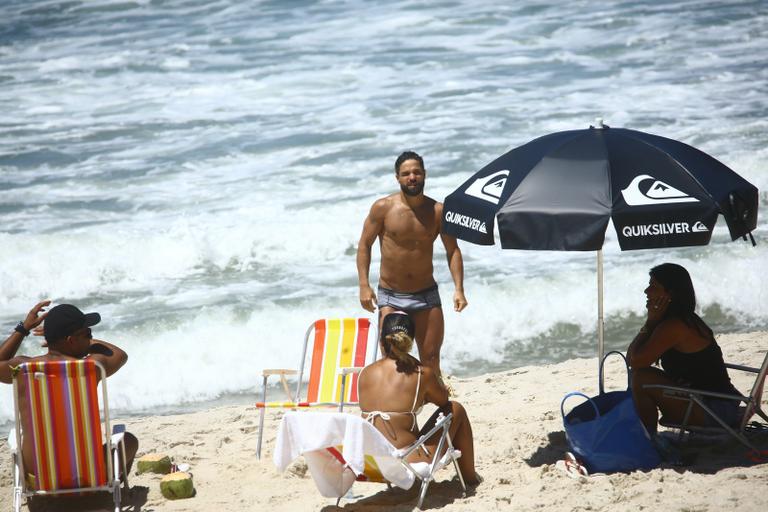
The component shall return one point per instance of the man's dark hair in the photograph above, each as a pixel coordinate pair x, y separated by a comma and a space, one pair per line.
407, 155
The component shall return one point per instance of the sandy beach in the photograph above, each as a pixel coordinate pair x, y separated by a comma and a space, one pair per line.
518, 440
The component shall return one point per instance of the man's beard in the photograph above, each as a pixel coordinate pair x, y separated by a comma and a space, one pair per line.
413, 191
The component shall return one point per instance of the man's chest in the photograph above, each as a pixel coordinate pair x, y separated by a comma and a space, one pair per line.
404, 224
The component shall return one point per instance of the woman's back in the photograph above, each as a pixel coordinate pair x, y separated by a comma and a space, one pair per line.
391, 399
392, 390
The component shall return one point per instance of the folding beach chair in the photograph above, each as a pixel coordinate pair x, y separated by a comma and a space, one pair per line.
339, 348
752, 406
341, 449
57, 414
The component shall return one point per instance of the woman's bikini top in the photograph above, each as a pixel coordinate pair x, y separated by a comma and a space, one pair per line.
370, 416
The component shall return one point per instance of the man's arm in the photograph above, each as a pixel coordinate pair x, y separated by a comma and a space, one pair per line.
11, 345
455, 264
110, 356
372, 227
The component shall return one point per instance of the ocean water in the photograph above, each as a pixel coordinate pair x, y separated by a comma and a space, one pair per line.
198, 171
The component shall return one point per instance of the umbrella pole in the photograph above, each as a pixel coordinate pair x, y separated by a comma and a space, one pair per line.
600, 341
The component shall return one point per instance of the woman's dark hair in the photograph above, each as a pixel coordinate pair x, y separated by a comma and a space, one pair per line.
677, 282
397, 331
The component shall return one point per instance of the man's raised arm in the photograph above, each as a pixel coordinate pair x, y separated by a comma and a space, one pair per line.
110, 356
372, 227
11, 345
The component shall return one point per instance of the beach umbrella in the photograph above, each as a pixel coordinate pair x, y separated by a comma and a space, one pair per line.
558, 192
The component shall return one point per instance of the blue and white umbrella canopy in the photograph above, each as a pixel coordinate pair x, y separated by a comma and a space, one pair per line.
559, 191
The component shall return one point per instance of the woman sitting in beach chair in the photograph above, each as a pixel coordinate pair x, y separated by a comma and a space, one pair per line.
689, 354
393, 390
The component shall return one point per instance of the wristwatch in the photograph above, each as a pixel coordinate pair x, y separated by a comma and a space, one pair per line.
21, 329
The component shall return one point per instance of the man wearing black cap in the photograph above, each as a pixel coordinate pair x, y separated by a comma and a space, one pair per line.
68, 335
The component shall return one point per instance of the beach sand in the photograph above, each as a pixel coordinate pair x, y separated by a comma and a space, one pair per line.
518, 439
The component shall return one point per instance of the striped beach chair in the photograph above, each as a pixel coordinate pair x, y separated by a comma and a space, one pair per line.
336, 349
57, 415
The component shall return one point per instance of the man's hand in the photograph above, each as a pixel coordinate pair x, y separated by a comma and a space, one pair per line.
459, 301
34, 317
368, 298
11, 345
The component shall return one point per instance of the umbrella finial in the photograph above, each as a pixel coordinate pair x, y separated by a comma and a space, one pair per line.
598, 124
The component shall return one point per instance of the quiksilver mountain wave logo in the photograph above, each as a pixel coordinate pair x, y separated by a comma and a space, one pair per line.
636, 193
699, 227
663, 228
466, 221
489, 188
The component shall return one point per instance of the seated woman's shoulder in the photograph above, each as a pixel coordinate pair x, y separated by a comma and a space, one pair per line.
676, 327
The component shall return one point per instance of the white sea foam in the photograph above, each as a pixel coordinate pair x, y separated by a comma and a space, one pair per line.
203, 180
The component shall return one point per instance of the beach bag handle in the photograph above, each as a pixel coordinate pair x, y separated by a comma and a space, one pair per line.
576, 393
601, 383
602, 365
607, 434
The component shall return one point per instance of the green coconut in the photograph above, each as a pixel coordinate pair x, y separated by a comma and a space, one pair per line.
154, 463
176, 486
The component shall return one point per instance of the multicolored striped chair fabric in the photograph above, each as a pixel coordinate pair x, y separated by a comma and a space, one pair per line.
338, 343
371, 473
66, 435
330, 347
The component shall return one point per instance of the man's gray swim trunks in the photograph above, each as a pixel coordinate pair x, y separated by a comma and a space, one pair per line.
409, 301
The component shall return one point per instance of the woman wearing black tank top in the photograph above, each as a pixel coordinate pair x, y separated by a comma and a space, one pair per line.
675, 335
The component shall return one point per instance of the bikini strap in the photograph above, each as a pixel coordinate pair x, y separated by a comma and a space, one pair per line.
357, 384
416, 396
371, 415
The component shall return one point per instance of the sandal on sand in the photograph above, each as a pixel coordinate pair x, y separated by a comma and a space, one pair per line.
571, 466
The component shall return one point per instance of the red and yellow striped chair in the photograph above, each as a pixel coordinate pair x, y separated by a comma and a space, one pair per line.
57, 416
337, 349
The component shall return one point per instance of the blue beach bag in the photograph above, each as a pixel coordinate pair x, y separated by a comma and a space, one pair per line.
605, 432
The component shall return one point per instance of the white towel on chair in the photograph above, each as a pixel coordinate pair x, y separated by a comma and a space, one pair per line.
309, 433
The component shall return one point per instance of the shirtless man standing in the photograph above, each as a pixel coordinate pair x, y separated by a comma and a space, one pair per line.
407, 224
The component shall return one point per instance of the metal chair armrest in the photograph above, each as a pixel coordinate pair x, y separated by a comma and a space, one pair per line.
742, 368
445, 421
346, 370
265, 373
282, 372
680, 390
